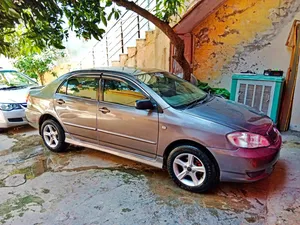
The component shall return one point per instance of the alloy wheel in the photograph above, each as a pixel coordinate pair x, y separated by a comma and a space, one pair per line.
189, 169
50, 134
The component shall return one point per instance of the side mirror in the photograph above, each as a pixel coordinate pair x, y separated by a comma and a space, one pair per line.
144, 104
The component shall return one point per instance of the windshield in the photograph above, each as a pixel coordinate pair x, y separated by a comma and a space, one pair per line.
176, 92
14, 79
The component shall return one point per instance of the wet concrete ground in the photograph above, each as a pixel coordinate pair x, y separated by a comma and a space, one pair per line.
84, 186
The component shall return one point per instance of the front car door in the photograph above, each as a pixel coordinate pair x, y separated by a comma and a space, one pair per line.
76, 103
120, 124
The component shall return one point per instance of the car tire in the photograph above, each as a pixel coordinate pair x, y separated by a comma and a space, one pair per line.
191, 169
53, 136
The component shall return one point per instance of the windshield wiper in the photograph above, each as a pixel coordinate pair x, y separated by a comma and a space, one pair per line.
12, 87
198, 101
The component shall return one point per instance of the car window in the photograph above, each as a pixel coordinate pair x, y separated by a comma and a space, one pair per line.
84, 87
120, 92
175, 91
2, 80
63, 88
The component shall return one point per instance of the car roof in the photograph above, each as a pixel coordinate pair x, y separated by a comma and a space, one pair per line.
8, 70
131, 71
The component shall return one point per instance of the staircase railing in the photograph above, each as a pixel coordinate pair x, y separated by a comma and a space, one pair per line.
122, 34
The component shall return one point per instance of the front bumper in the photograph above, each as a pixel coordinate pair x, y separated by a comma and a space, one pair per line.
12, 118
247, 165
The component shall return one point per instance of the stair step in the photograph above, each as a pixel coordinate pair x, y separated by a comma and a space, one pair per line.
123, 59
150, 34
131, 51
115, 63
140, 41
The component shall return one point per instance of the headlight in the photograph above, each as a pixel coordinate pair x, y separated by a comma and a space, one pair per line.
9, 106
247, 140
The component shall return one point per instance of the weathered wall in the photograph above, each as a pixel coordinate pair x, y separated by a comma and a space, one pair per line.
246, 35
243, 35
59, 70
151, 52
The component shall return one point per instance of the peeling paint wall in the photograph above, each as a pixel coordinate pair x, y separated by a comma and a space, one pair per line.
246, 35
243, 35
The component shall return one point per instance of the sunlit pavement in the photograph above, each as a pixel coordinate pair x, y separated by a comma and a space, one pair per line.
84, 186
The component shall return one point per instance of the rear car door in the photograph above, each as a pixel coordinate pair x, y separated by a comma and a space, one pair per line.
76, 105
120, 124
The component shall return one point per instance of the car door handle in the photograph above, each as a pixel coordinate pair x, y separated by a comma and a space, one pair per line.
60, 101
104, 110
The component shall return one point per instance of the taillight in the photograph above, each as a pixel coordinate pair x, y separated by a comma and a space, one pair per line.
247, 140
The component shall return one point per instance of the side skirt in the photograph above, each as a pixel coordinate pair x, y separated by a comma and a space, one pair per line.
158, 162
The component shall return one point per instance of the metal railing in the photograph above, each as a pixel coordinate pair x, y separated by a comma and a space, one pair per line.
122, 34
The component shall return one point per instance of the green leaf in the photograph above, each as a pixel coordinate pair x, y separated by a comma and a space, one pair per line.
103, 19
108, 3
110, 15
14, 12
117, 15
59, 46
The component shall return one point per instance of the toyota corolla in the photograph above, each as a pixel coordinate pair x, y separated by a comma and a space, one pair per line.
156, 118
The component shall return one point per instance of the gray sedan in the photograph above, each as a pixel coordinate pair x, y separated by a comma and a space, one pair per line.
155, 118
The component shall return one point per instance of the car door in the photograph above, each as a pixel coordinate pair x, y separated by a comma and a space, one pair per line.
120, 124
76, 104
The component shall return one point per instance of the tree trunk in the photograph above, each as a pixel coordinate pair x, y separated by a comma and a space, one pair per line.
42, 79
164, 27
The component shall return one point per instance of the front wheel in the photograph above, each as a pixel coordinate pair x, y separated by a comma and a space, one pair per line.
53, 136
191, 169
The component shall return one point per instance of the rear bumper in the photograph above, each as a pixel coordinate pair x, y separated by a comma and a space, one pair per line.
247, 165
33, 117
12, 118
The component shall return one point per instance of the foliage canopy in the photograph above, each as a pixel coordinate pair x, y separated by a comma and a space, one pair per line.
36, 65
29, 26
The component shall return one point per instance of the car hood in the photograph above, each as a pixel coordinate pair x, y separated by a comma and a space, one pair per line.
14, 95
232, 114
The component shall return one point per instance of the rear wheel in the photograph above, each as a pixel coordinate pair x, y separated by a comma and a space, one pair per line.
53, 136
191, 169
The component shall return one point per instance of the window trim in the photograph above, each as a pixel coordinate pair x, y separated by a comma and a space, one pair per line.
110, 75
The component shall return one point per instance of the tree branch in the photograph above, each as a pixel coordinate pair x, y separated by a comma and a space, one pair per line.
164, 27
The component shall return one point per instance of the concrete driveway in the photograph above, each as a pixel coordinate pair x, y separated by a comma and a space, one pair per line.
84, 186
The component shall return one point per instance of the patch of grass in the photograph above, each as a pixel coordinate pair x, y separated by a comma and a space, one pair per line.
19, 204
126, 210
6, 217
126, 178
251, 219
2, 184
45, 190
28, 171
128, 174
32, 171
25, 142
214, 212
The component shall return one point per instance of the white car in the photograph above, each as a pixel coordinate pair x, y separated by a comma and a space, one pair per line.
14, 88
